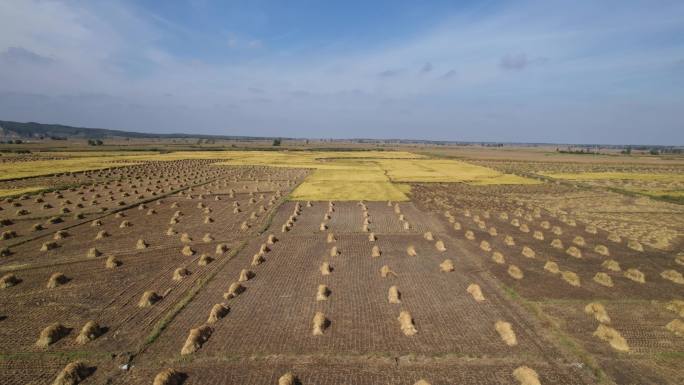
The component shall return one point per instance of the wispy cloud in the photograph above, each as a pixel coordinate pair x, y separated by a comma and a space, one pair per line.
525, 71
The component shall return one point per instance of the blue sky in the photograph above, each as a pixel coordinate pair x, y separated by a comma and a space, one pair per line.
525, 71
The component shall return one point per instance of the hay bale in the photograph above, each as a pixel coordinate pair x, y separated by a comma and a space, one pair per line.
579, 241
612, 336
375, 252
428, 236
112, 262
320, 323
603, 279
245, 275
264, 249
72, 374
93, 253
407, 226
406, 323
551, 267
557, 230
411, 251
51, 334
421, 382
509, 241
484, 245
287, 379
613, 237
47, 246
524, 228
457, 226
635, 245
57, 279
207, 238
528, 252
393, 295
169, 377
233, 291
492, 231
148, 299
602, 250
679, 259
674, 276
96, 223
244, 226
257, 259
322, 293
196, 338
498, 258
591, 229
515, 222
334, 251
676, 306
221, 248
5, 252
90, 331
598, 311
571, 278
440, 246
325, 269
515, 272
61, 234
526, 376
545, 225
372, 237
180, 273
125, 224
385, 271
271, 239
635, 275
101, 234
574, 252
217, 312
506, 332
676, 326
171, 231
470, 235
141, 244
557, 244
187, 251
446, 266
476, 292
611, 264
538, 235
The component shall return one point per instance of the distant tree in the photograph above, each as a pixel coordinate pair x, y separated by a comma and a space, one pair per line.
276, 142
654, 151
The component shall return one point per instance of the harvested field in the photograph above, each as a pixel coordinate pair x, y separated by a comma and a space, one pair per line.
258, 271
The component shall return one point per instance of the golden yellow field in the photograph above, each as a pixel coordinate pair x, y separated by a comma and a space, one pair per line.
337, 175
19, 191
614, 176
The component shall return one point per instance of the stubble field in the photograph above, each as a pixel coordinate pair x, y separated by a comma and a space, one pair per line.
356, 267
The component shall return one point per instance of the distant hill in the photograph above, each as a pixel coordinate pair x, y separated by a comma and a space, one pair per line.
10, 129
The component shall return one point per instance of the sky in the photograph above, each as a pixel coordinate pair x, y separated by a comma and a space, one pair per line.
581, 71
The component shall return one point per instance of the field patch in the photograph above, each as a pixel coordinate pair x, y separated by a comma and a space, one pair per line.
439, 170
19, 191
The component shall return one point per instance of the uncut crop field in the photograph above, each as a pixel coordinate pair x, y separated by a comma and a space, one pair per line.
367, 267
